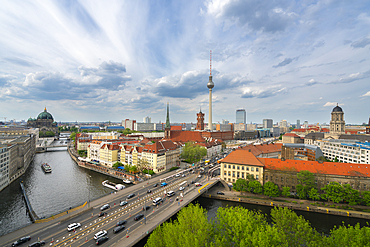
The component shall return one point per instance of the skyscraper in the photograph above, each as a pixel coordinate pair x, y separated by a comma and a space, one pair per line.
241, 116
298, 124
147, 119
267, 123
210, 85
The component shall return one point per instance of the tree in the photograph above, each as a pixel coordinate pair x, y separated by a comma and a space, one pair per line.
295, 230
240, 185
366, 197
336, 159
142, 164
313, 194
255, 187
306, 182
191, 228
286, 191
322, 159
334, 191
270, 189
351, 195
117, 164
348, 236
192, 152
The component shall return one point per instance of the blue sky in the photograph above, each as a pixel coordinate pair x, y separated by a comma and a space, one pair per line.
112, 60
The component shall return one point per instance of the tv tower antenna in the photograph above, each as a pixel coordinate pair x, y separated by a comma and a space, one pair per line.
210, 63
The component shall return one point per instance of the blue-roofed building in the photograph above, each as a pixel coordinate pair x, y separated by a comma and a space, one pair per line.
347, 151
115, 128
89, 128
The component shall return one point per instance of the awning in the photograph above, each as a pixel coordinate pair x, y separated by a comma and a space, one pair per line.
121, 167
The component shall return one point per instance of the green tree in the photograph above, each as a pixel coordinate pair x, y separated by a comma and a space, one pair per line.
255, 187
286, 191
334, 191
191, 229
336, 159
192, 152
270, 189
73, 136
306, 182
117, 164
366, 197
351, 195
314, 194
348, 236
240, 185
295, 230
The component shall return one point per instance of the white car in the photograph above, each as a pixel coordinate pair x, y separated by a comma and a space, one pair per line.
199, 176
100, 234
183, 175
177, 175
73, 226
181, 188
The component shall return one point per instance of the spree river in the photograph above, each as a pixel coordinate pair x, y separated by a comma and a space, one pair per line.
70, 185
67, 186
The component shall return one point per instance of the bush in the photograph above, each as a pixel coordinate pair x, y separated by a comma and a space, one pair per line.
174, 168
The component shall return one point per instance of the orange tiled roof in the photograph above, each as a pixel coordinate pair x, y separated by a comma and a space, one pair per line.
186, 136
263, 149
243, 157
330, 168
291, 134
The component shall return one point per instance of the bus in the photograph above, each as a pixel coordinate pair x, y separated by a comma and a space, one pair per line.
182, 184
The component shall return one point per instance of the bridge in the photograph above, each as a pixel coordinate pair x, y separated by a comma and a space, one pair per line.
54, 231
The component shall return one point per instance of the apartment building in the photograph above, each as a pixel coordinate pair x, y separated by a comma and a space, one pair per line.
347, 151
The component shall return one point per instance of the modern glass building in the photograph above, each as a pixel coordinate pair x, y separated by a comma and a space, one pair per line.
241, 116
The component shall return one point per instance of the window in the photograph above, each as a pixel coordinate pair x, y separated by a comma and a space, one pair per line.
247, 168
256, 169
256, 176
252, 169
243, 168
237, 167
233, 167
234, 174
242, 174
229, 166
224, 166
237, 175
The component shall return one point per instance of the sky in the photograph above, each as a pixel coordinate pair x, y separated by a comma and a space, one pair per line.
115, 60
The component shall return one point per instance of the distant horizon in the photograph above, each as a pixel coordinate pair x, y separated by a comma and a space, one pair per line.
116, 60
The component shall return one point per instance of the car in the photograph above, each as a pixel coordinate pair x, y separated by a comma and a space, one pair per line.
149, 191
177, 175
101, 214
192, 182
220, 193
73, 226
37, 244
101, 240
198, 184
130, 196
104, 207
199, 176
155, 185
138, 217
118, 229
100, 234
181, 188
146, 208
157, 201
121, 222
123, 203
163, 184
183, 175
21, 241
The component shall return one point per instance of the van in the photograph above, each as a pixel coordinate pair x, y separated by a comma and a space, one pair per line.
157, 201
170, 193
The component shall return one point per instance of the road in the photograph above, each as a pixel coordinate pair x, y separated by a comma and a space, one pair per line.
91, 223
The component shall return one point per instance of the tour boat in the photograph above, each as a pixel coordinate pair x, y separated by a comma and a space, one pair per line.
46, 168
113, 186
127, 181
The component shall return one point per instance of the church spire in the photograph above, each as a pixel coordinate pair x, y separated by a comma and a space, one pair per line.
168, 126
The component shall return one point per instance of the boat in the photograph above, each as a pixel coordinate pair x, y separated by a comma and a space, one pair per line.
127, 181
46, 168
113, 186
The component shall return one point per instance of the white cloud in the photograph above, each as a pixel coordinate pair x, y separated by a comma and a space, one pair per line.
366, 94
330, 104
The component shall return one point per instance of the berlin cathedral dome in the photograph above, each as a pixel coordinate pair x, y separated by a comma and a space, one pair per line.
45, 123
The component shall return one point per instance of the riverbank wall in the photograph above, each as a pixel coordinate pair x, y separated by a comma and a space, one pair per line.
302, 205
32, 213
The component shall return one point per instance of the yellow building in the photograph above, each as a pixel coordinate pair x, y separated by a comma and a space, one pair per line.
109, 154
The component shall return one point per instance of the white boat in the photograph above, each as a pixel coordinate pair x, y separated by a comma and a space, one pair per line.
113, 186
127, 181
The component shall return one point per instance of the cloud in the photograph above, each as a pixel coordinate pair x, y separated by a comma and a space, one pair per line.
311, 83
194, 83
366, 94
352, 77
362, 43
20, 61
330, 104
255, 92
264, 15
286, 61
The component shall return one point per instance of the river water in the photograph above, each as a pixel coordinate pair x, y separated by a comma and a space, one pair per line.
67, 186
70, 185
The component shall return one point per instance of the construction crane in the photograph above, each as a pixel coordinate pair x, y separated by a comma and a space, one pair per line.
4, 119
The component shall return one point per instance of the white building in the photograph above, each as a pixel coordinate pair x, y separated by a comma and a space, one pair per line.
4, 166
347, 151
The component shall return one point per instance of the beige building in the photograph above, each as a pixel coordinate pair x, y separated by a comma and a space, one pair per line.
109, 154
240, 163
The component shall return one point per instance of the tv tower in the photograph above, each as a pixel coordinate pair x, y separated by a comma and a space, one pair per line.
210, 85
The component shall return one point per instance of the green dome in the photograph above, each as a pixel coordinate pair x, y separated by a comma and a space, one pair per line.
45, 115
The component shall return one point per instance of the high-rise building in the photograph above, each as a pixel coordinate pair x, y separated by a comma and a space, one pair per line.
305, 124
241, 116
267, 123
298, 124
210, 85
129, 124
147, 119
224, 121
